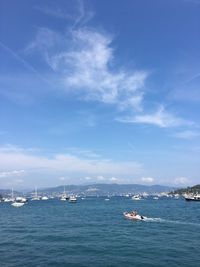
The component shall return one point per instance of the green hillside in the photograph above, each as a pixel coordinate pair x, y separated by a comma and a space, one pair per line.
194, 190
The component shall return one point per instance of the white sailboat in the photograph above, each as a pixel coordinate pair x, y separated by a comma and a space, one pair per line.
64, 196
17, 203
36, 197
10, 199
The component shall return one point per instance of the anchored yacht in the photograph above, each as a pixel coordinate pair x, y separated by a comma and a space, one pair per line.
72, 199
192, 197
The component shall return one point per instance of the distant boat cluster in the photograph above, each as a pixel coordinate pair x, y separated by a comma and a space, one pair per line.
20, 201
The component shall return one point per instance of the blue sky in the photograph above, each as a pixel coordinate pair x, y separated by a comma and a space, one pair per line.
99, 91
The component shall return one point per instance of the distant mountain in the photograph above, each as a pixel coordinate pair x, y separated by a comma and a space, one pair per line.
194, 190
106, 189
7, 192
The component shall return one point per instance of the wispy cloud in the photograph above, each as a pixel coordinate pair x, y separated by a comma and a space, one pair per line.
85, 65
74, 12
14, 173
160, 118
187, 134
83, 152
181, 181
83, 60
64, 163
147, 179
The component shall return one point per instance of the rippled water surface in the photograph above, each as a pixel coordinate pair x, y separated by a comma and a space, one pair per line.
93, 232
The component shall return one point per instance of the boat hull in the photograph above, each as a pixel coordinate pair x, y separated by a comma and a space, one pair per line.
134, 218
192, 199
17, 204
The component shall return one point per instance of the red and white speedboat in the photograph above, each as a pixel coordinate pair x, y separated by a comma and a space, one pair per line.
134, 216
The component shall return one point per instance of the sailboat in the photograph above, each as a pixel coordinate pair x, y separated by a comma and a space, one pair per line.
64, 196
10, 199
35, 197
16, 203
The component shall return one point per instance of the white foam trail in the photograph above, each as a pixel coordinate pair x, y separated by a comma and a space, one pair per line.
146, 219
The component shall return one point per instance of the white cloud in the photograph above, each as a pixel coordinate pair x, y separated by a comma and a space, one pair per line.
15, 173
85, 64
181, 181
64, 163
148, 179
188, 134
113, 179
83, 152
101, 178
62, 178
160, 118
87, 178
75, 12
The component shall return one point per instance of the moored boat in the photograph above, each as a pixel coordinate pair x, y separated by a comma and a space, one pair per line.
136, 197
44, 198
64, 196
192, 197
35, 197
17, 204
72, 199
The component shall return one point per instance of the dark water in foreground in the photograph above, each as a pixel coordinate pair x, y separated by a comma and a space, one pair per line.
93, 232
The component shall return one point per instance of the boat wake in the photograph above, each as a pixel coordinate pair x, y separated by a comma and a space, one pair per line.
146, 219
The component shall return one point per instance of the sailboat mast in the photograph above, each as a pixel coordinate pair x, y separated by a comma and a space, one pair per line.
12, 194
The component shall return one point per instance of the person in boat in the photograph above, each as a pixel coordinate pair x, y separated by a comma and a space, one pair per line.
133, 213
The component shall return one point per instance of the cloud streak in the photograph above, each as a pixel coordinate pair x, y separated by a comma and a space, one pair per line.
63, 163
187, 134
83, 61
85, 64
160, 118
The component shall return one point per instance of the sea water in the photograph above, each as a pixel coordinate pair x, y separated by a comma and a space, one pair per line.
93, 232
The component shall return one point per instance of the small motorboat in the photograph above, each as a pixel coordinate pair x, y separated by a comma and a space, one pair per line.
44, 198
136, 197
17, 204
134, 216
72, 199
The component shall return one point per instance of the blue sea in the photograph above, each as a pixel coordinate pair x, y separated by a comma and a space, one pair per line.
93, 232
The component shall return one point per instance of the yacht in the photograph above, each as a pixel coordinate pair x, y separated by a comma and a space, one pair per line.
192, 197
21, 199
136, 197
72, 199
17, 204
44, 198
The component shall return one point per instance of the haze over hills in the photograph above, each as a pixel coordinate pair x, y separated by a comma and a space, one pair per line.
107, 189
